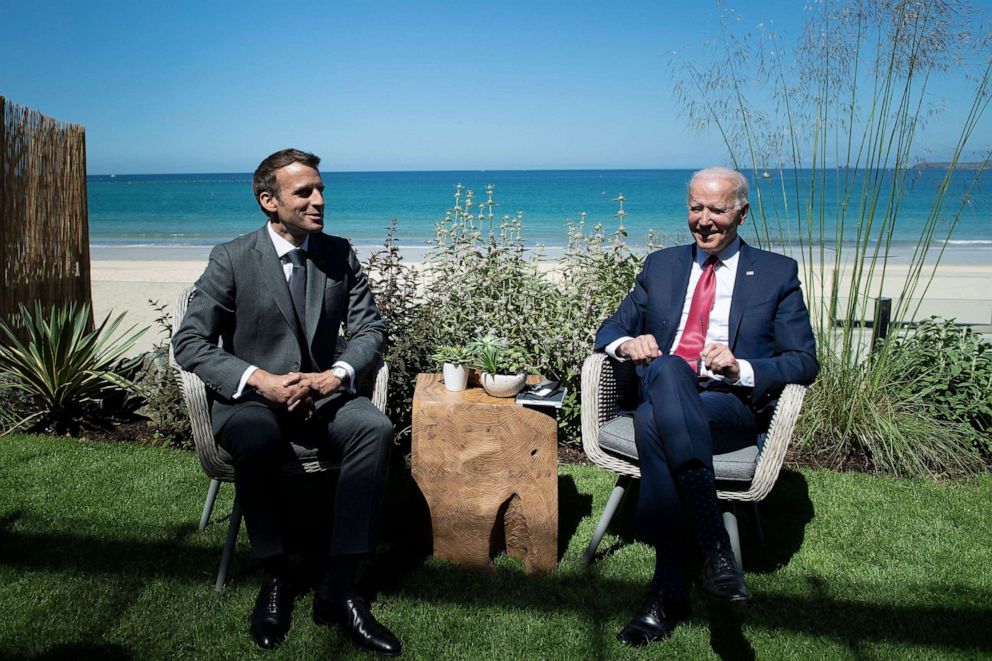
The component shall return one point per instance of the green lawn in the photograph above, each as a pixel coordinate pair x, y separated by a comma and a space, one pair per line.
100, 557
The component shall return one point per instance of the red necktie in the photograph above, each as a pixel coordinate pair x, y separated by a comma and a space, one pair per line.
694, 334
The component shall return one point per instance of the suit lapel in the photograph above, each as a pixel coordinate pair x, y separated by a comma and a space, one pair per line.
679, 283
316, 281
747, 277
272, 276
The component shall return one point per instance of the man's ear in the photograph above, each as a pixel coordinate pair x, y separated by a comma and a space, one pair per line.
268, 201
743, 213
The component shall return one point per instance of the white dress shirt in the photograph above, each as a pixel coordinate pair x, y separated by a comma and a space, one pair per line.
719, 326
283, 247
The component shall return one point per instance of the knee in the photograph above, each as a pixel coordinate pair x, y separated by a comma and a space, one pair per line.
252, 436
665, 369
381, 431
377, 433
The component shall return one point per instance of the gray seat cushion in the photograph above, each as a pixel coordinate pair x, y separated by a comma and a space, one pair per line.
617, 438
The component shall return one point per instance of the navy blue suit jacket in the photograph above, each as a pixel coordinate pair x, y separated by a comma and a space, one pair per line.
769, 323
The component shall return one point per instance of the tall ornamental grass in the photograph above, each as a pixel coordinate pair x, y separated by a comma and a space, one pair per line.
831, 127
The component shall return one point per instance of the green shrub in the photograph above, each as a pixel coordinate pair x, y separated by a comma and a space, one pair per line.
480, 279
163, 400
951, 369
876, 420
64, 368
409, 338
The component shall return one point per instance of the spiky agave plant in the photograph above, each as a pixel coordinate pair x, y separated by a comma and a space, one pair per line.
61, 365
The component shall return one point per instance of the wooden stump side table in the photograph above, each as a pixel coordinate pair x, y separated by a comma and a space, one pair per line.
488, 469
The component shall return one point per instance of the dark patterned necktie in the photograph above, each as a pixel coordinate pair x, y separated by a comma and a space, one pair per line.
298, 285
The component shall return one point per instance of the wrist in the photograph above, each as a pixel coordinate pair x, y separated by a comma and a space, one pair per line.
341, 374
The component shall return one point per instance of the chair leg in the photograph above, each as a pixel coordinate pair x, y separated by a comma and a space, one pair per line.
758, 532
208, 504
730, 523
616, 497
232, 539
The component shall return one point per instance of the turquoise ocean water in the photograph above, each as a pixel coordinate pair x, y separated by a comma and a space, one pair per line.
151, 212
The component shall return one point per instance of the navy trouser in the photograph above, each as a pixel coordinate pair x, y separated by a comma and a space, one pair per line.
681, 423
257, 437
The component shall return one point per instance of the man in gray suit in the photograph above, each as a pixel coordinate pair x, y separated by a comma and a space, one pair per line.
275, 299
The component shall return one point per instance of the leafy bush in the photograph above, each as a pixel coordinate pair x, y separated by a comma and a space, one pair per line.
877, 420
62, 367
409, 338
164, 406
479, 279
951, 369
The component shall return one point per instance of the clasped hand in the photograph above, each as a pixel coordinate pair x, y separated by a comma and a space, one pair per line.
296, 390
717, 357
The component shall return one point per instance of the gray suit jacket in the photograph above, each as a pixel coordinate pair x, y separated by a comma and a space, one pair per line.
242, 300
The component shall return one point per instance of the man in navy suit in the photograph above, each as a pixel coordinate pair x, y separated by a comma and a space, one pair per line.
717, 329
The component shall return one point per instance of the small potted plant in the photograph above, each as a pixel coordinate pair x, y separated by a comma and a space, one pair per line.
455, 361
502, 366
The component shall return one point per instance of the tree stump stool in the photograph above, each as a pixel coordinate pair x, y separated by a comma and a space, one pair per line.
488, 469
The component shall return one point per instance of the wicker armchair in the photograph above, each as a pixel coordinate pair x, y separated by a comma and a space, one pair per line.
745, 475
216, 462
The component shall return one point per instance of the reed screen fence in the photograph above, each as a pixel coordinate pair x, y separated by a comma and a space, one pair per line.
45, 252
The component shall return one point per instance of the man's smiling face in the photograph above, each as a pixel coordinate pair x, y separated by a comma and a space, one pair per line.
714, 214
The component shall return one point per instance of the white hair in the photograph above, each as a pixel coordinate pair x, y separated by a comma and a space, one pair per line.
709, 174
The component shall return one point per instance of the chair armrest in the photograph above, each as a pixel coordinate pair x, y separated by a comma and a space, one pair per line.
197, 406
772, 455
605, 383
379, 389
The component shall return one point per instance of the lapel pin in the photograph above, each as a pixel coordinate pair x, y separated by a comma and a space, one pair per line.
748, 272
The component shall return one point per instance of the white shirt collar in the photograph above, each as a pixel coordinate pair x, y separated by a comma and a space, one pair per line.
283, 246
728, 256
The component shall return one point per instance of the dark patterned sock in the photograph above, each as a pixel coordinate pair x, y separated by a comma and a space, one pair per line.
339, 582
669, 576
697, 487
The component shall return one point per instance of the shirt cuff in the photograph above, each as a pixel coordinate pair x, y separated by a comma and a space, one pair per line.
350, 385
244, 381
747, 374
611, 348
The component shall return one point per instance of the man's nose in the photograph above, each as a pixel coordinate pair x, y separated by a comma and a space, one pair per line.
317, 198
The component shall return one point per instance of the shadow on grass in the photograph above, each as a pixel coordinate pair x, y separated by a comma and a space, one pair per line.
785, 513
165, 556
79, 651
572, 508
605, 603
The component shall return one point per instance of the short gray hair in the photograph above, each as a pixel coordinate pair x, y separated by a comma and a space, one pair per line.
739, 180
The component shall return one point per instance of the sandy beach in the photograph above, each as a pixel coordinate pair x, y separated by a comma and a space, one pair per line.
960, 291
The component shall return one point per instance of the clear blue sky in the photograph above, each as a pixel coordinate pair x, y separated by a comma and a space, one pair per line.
214, 86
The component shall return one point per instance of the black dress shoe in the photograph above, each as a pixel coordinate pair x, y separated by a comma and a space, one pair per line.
273, 612
655, 621
355, 619
721, 578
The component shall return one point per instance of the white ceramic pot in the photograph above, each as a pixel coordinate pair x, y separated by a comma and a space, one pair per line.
455, 377
503, 385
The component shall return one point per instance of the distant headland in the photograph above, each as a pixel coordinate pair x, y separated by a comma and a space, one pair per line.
969, 165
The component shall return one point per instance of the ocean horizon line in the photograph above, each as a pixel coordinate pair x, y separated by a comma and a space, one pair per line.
767, 169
